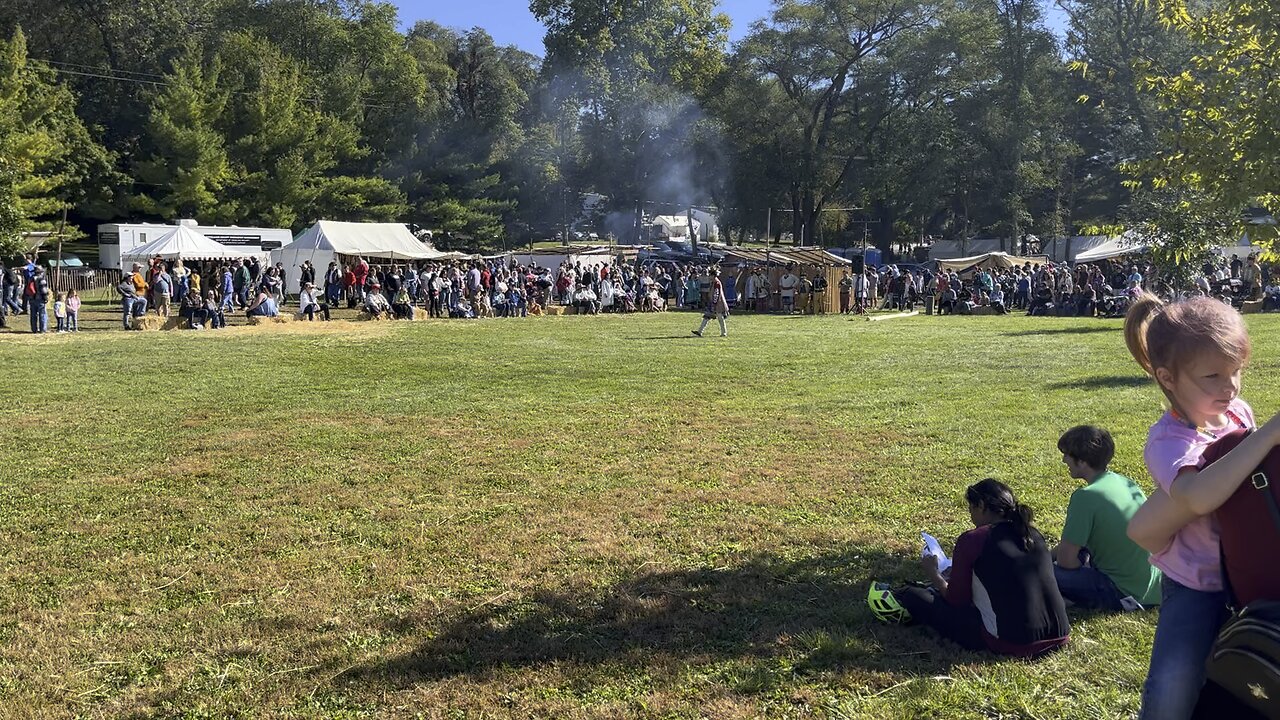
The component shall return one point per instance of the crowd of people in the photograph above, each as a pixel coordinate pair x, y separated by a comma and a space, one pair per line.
1192, 547
469, 289
1101, 289
206, 293
24, 290
1086, 290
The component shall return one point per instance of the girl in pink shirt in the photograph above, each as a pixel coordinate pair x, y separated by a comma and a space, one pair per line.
73, 311
1196, 350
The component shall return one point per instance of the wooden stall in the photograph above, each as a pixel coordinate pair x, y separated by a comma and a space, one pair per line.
807, 261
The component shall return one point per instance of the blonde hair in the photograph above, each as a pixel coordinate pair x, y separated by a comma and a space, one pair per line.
1171, 335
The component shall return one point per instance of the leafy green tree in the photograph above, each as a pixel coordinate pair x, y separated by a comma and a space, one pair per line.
453, 174
283, 150
47, 155
624, 78
825, 62
611, 47
188, 168
1110, 45
1222, 149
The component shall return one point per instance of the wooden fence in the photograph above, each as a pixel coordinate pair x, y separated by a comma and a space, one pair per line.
83, 281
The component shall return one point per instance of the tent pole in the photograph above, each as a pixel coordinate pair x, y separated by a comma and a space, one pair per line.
57, 269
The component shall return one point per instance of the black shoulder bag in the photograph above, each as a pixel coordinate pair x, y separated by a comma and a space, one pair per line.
1245, 662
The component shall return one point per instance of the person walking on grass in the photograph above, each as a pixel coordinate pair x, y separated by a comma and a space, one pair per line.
717, 306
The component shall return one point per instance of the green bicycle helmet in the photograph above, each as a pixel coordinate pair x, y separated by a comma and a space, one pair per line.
885, 606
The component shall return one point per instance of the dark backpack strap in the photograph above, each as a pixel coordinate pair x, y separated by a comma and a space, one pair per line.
1232, 603
1261, 482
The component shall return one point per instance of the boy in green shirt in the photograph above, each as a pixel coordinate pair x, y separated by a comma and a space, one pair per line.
1096, 564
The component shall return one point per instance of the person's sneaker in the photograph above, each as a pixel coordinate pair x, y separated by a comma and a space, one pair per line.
698, 333
724, 334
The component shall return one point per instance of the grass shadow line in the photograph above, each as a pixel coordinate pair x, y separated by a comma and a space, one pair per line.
1078, 330
1102, 382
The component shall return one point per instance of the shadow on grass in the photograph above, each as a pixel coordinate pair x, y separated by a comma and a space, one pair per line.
763, 608
1076, 330
1103, 382
686, 336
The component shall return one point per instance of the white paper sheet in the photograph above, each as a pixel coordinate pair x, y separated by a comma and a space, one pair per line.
933, 547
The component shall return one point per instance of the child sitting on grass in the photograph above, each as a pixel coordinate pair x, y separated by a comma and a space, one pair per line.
1096, 565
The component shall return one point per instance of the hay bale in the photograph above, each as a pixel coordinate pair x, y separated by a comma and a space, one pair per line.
983, 310
555, 310
175, 322
146, 322
277, 320
1251, 307
366, 317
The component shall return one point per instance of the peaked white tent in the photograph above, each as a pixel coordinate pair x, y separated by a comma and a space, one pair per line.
1114, 247
991, 260
323, 242
1067, 249
184, 243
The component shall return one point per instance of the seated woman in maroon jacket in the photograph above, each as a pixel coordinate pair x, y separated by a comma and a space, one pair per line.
1000, 594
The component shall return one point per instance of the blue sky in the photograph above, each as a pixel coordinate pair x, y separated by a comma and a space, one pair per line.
511, 23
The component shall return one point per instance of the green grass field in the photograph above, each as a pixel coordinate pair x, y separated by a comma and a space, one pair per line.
561, 517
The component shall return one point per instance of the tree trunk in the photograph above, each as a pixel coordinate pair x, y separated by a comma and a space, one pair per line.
797, 219
810, 219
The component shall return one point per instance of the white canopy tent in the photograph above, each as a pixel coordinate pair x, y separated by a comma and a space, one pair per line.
553, 257
183, 243
991, 260
323, 242
1125, 244
1067, 249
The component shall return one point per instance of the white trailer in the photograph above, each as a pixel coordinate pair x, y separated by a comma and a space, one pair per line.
117, 239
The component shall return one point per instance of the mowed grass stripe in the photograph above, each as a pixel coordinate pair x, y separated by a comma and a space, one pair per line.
566, 517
